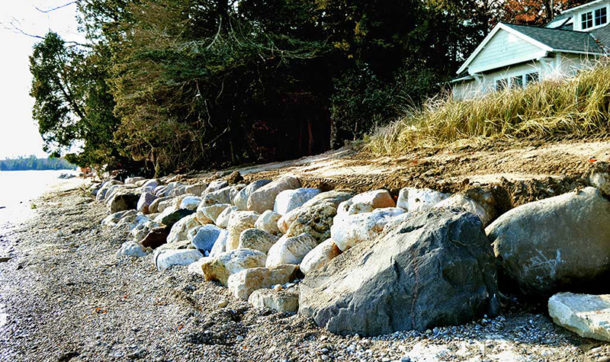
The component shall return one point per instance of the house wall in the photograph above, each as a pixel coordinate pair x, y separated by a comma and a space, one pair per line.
502, 50
549, 68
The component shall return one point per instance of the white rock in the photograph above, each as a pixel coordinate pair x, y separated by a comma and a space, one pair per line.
215, 186
221, 267
264, 198
243, 283
179, 230
366, 202
190, 202
268, 221
256, 239
280, 301
413, 199
223, 219
319, 256
348, 230
238, 222
133, 180
289, 200
290, 250
144, 202
131, 248
195, 267
220, 246
168, 258
584, 314
241, 198
211, 212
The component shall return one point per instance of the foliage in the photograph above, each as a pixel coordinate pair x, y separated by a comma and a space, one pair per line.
575, 107
72, 105
33, 163
166, 85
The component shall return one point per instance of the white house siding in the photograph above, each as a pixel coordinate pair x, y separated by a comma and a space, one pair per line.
502, 50
577, 15
556, 67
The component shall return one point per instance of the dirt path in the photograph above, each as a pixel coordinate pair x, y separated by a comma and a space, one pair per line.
65, 295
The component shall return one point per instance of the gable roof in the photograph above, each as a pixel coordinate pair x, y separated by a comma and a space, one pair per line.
548, 39
561, 40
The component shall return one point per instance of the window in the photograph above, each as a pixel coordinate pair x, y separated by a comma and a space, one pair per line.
586, 20
531, 78
601, 16
516, 82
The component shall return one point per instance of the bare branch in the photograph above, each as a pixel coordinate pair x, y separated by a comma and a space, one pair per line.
14, 25
55, 8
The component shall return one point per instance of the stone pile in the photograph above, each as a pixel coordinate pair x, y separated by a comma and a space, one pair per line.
369, 263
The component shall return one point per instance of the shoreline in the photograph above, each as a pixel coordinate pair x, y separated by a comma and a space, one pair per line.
68, 296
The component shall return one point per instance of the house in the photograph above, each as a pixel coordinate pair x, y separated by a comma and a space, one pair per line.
517, 55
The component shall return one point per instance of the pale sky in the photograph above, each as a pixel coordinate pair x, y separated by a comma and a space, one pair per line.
18, 131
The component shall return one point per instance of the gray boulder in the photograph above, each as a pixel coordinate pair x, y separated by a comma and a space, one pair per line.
554, 244
435, 268
264, 198
173, 217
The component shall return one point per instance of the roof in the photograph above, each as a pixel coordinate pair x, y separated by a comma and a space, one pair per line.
602, 35
560, 39
547, 39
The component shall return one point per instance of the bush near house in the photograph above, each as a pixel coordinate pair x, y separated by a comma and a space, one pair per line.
570, 107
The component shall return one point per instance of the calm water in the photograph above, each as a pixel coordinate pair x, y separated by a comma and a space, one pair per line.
19, 188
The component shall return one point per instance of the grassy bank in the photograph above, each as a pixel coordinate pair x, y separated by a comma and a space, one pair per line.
572, 107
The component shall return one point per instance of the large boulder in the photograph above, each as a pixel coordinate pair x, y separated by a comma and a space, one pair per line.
256, 239
314, 217
221, 267
222, 196
106, 185
215, 186
241, 199
584, 314
122, 201
349, 230
168, 258
264, 198
290, 250
319, 256
289, 200
268, 222
554, 244
413, 199
114, 219
281, 301
435, 268
243, 283
238, 222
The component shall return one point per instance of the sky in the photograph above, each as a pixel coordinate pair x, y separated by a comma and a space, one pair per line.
18, 131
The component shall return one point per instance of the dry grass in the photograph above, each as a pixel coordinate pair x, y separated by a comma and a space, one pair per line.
571, 107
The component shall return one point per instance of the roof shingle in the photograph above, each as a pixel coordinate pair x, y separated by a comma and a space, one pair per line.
558, 39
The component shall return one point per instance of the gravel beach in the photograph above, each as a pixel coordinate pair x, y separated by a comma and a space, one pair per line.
66, 296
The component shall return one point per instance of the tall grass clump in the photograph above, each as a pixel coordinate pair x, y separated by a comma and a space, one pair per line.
570, 107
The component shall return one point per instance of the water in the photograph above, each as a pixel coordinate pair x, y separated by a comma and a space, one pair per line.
19, 188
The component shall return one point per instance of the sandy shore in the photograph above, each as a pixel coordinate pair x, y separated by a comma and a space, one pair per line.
65, 295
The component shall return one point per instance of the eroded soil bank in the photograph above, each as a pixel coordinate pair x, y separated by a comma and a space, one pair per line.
65, 295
